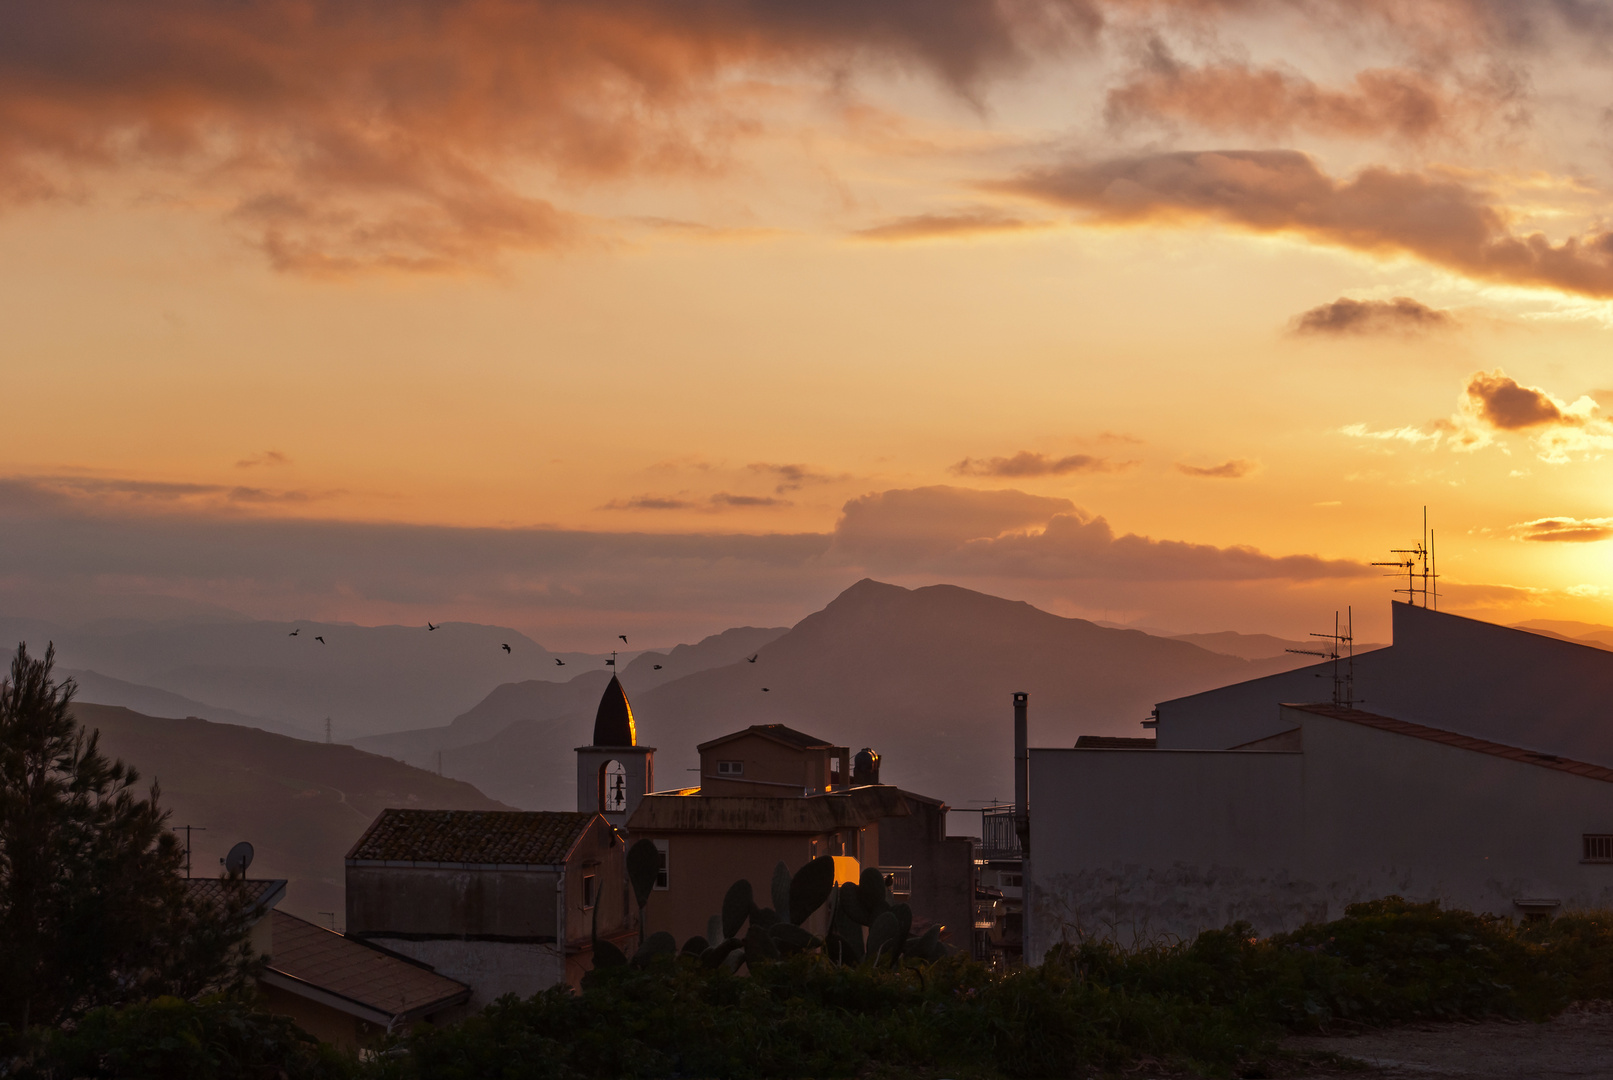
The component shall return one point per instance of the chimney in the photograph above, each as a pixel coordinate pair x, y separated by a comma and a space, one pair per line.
1022, 774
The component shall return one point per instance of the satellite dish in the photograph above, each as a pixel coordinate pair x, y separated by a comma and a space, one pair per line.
239, 858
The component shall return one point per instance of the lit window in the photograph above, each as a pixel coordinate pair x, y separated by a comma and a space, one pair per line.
1598, 847
663, 876
730, 768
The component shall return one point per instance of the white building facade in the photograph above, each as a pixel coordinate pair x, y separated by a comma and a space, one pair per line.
1250, 809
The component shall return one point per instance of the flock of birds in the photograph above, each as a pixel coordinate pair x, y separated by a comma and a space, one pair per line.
751, 659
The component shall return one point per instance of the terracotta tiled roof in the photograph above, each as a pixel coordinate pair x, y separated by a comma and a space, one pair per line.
778, 732
1113, 742
259, 893
511, 837
1463, 742
311, 958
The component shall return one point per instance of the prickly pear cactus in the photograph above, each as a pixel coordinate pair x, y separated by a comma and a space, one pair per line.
737, 906
810, 889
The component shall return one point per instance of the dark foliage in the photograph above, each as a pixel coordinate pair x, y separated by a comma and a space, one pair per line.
92, 909
173, 1039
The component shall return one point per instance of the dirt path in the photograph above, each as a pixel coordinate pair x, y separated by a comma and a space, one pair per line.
1578, 1044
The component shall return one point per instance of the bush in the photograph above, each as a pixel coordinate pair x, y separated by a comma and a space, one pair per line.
171, 1039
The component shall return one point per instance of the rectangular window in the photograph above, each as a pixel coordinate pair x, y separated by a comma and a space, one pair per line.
663, 876
730, 768
834, 768
1598, 847
1013, 881
587, 891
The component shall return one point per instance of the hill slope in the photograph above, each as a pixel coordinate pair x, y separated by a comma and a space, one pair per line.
367, 679
301, 804
922, 675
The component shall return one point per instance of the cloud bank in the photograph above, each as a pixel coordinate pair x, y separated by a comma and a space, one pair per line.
1381, 211
1026, 463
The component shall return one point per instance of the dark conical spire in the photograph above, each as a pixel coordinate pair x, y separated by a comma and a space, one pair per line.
613, 723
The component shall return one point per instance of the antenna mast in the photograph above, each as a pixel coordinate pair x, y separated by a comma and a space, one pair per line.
1341, 646
1417, 563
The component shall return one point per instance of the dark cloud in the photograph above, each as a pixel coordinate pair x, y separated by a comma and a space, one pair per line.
1566, 529
1227, 470
940, 226
1506, 405
1009, 534
795, 477
723, 500
1344, 316
353, 135
88, 551
1433, 216
268, 457
1026, 463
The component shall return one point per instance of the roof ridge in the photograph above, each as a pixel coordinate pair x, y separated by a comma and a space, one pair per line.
1589, 770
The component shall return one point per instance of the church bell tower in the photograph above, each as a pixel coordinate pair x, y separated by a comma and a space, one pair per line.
614, 773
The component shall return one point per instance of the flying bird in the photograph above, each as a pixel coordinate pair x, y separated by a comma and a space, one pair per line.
429, 626
751, 659
319, 638
657, 667
559, 662
506, 648
764, 690
623, 637
295, 632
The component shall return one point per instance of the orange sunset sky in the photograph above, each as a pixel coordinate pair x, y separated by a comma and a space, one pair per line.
658, 318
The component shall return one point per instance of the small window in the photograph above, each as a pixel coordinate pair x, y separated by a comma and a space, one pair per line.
730, 768
1013, 881
1598, 847
834, 767
587, 891
663, 878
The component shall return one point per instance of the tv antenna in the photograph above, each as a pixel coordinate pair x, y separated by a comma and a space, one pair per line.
188, 830
1421, 567
1340, 646
239, 858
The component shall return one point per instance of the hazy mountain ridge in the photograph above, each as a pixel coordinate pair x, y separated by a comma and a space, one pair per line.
923, 675
93, 687
301, 804
367, 679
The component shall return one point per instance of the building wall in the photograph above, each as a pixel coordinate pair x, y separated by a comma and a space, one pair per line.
943, 867
321, 1021
771, 768
1144, 845
702, 866
1443, 670
490, 968
517, 903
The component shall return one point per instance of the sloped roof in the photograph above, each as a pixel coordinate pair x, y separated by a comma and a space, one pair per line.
511, 837
613, 723
798, 740
322, 964
258, 894
1461, 742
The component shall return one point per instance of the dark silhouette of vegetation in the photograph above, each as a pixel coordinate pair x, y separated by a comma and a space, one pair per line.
1213, 1006
93, 911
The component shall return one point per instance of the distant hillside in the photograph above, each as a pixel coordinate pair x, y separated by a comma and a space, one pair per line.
105, 690
539, 700
301, 804
718, 650
923, 675
367, 679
